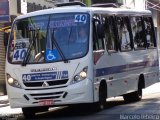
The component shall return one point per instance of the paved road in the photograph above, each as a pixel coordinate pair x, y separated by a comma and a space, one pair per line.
147, 109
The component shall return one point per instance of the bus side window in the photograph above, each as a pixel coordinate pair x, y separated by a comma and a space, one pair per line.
98, 43
123, 33
109, 34
149, 30
137, 32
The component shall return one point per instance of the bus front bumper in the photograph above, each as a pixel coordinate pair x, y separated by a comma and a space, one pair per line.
81, 92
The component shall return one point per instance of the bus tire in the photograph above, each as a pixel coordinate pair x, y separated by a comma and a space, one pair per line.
100, 105
141, 85
30, 112
5, 90
135, 96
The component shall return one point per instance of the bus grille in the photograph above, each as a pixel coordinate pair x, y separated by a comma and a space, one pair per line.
50, 83
42, 96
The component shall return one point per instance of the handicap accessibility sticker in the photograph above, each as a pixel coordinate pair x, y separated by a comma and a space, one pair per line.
51, 55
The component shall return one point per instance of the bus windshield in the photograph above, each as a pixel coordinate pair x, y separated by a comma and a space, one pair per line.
49, 38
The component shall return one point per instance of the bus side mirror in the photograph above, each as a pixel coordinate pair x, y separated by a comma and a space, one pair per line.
100, 30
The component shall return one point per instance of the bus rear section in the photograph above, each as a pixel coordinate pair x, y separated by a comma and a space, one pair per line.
125, 53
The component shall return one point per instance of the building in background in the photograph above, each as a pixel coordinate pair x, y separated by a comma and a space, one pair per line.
4, 18
153, 6
135, 4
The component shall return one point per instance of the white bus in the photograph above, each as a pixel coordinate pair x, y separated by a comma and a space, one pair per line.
47, 64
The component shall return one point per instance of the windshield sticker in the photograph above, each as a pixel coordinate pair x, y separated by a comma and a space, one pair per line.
20, 50
77, 54
38, 25
81, 18
61, 23
58, 75
51, 55
22, 43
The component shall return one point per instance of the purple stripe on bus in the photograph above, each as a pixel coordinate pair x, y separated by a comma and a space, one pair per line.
125, 68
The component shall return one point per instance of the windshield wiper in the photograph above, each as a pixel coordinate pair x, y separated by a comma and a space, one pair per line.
57, 46
26, 58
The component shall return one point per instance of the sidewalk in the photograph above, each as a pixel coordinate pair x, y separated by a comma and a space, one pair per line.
5, 109
155, 88
4, 101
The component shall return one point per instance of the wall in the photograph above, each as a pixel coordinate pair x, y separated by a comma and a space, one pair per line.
13, 7
137, 4
42, 2
2, 61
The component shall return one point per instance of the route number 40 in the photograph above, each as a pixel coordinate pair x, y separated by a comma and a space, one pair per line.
80, 18
26, 78
19, 54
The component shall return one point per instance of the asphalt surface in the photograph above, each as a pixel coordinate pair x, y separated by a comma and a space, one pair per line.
117, 109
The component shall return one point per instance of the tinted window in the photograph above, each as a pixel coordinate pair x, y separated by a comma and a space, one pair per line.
149, 31
110, 38
137, 32
123, 33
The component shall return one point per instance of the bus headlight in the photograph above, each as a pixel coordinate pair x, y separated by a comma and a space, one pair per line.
11, 81
80, 76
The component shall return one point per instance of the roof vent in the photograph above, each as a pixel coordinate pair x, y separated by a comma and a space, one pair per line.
70, 4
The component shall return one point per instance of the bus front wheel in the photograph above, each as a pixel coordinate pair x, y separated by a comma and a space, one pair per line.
30, 112
100, 105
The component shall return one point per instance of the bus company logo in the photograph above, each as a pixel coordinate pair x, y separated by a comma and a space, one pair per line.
45, 84
43, 69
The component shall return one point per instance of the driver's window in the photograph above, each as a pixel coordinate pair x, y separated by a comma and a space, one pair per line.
98, 43
110, 38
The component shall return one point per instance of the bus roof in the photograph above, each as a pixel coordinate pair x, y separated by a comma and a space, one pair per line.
86, 9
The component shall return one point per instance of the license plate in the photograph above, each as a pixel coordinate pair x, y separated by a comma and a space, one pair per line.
46, 102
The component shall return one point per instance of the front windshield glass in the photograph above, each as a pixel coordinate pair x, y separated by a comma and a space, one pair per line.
49, 38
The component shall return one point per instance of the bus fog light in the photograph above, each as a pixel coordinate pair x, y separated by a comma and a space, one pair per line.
16, 83
77, 78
